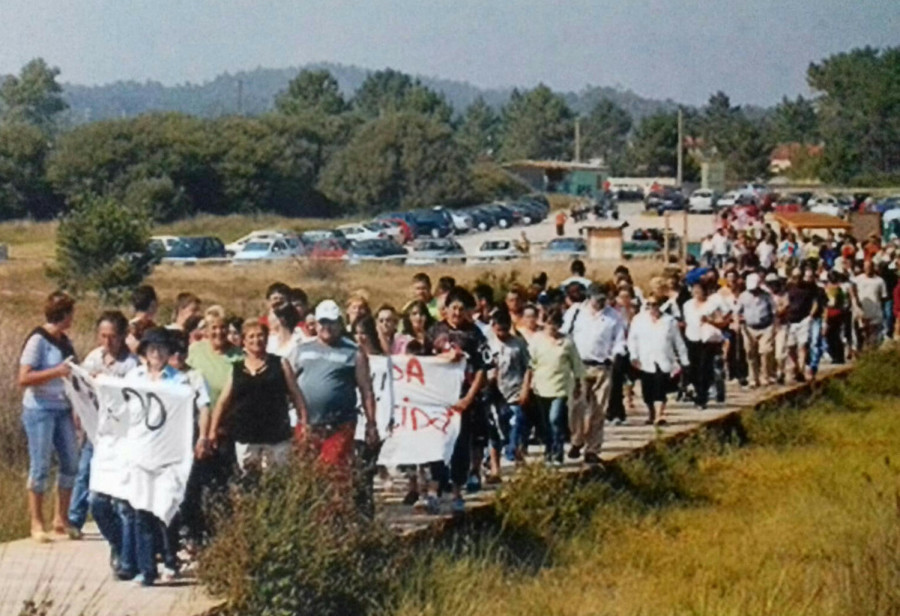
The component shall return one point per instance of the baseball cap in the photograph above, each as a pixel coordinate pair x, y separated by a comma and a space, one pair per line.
772, 277
328, 310
752, 282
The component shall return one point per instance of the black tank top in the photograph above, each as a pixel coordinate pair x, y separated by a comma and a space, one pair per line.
259, 404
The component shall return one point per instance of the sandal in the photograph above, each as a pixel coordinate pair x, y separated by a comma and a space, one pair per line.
40, 536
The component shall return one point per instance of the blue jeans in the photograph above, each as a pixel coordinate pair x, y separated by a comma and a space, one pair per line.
888, 319
48, 430
554, 426
816, 347
519, 428
78, 508
138, 550
107, 512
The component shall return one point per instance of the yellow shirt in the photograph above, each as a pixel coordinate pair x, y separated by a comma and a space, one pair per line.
555, 364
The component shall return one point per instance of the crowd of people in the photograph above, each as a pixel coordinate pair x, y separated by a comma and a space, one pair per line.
548, 363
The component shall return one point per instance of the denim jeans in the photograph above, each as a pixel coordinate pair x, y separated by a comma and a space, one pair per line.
519, 428
107, 514
48, 430
554, 423
816, 347
78, 508
139, 535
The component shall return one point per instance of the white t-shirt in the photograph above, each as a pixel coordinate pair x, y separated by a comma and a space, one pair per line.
871, 291
720, 244
766, 254
694, 330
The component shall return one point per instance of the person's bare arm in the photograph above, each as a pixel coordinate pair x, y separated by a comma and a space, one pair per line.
294, 393
222, 407
367, 394
29, 377
466, 401
526, 388
201, 448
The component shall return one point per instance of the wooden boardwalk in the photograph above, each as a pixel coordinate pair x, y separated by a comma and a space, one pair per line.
72, 578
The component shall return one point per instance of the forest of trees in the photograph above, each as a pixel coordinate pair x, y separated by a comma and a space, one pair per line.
394, 142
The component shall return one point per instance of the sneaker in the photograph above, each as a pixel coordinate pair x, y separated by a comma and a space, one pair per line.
411, 497
780, 380
591, 458
141, 580
169, 575
493, 480
473, 484
457, 506
73, 533
618, 421
574, 452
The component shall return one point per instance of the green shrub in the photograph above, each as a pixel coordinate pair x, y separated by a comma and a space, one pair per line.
877, 373
294, 543
102, 246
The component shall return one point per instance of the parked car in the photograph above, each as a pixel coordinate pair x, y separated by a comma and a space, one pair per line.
540, 201
163, 243
190, 249
331, 249
529, 211
788, 204
481, 219
702, 200
887, 204
376, 250
432, 223
316, 235
443, 250
406, 217
628, 192
729, 199
460, 220
503, 217
263, 234
564, 248
393, 229
265, 250
497, 250
366, 231
663, 200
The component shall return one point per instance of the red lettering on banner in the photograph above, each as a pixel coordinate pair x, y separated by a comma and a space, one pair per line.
414, 371
397, 372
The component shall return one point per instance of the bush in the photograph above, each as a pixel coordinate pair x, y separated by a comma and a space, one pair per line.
102, 246
294, 543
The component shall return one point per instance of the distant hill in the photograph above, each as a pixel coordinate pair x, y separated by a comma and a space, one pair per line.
253, 92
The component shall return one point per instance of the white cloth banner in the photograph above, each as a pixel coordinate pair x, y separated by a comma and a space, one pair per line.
143, 438
423, 389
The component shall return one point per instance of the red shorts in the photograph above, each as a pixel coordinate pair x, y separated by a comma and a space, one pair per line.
333, 445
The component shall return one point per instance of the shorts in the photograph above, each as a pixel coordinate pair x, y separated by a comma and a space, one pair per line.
499, 424
798, 333
262, 455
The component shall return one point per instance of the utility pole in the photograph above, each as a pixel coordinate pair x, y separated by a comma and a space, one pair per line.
240, 97
680, 146
578, 139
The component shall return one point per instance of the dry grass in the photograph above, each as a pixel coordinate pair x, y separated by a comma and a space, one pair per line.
813, 529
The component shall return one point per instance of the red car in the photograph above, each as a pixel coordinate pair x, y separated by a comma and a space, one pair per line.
407, 234
332, 249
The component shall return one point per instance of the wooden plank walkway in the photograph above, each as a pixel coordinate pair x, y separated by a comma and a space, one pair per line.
73, 578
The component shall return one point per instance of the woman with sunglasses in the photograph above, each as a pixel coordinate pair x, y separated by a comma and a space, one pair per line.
658, 352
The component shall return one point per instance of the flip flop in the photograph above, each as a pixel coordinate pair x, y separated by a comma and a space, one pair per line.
40, 536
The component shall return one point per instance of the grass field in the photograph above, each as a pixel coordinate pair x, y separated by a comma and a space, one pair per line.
804, 521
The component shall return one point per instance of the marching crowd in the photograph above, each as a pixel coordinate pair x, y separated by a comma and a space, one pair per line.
557, 362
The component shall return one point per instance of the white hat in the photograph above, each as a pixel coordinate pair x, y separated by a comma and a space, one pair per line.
752, 282
327, 310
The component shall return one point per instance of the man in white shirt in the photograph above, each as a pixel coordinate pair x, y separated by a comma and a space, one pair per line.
871, 294
721, 247
658, 351
577, 270
599, 335
765, 252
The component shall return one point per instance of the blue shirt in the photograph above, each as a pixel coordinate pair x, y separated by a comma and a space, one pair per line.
40, 354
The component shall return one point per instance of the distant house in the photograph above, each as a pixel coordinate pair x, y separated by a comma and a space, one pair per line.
787, 155
561, 176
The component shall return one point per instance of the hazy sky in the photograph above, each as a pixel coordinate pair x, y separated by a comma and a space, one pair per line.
755, 50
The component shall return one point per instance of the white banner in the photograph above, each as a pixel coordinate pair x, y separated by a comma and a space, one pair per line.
380, 369
143, 438
423, 390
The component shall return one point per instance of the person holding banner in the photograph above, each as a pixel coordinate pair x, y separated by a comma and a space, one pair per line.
255, 400
47, 414
460, 339
143, 534
112, 358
